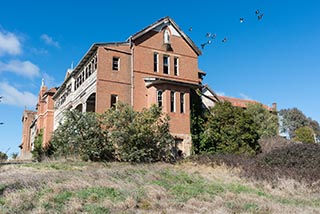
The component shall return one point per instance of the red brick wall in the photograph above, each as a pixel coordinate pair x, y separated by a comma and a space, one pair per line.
110, 81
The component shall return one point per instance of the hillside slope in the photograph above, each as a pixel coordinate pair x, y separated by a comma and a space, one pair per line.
81, 187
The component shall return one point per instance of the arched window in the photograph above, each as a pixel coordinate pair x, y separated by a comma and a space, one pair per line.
166, 37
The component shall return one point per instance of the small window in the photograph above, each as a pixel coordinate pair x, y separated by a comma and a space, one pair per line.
155, 62
95, 63
114, 100
116, 63
159, 98
166, 37
172, 101
166, 64
176, 66
182, 110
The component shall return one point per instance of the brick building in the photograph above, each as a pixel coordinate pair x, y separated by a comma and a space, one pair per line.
36, 122
157, 65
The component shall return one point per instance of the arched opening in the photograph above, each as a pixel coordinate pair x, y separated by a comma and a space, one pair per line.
91, 103
79, 108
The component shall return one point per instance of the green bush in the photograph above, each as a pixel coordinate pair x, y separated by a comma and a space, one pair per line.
3, 156
120, 133
81, 136
229, 129
304, 134
139, 136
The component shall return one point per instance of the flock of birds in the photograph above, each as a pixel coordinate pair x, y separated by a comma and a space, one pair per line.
211, 36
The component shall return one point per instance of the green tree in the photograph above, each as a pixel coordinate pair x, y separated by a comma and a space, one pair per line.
229, 129
304, 134
14, 155
293, 119
80, 136
197, 120
139, 136
38, 152
267, 121
3, 156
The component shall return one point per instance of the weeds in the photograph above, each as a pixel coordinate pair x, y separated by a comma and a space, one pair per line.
63, 187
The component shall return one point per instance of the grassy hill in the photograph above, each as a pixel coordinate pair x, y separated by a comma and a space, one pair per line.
186, 187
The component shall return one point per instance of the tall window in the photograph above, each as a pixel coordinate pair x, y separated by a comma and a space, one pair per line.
155, 62
182, 110
159, 98
116, 63
166, 64
114, 100
176, 66
172, 101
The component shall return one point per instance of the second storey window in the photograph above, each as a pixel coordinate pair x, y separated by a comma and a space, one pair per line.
166, 64
176, 66
159, 98
172, 101
116, 63
182, 110
155, 62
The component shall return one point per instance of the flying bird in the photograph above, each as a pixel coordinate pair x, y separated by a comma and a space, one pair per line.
204, 44
241, 20
260, 16
257, 12
213, 36
224, 40
190, 28
208, 35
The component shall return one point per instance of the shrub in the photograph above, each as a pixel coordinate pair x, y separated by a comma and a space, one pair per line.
81, 136
3, 156
139, 136
305, 135
267, 122
268, 144
229, 129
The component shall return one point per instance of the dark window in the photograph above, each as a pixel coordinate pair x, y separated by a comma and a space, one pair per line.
181, 102
165, 64
172, 101
114, 100
95, 63
176, 66
116, 63
159, 98
155, 62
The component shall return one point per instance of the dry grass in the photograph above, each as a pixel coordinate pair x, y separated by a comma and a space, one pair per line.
79, 187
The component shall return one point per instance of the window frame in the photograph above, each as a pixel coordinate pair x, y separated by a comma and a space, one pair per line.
156, 62
182, 103
166, 67
160, 101
172, 101
115, 63
176, 66
112, 101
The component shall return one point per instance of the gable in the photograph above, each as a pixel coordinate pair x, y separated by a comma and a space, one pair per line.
158, 27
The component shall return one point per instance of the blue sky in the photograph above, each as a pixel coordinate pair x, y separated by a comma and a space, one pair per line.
276, 59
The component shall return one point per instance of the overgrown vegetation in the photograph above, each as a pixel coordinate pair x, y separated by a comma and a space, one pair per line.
297, 161
266, 121
3, 156
121, 133
304, 134
229, 129
81, 136
89, 187
293, 119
